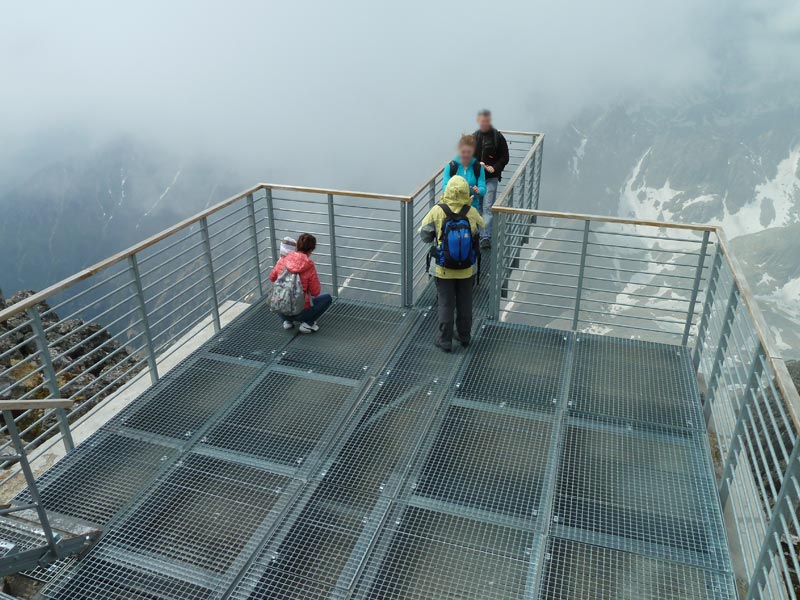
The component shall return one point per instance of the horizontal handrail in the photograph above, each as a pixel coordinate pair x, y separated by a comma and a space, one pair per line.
36, 404
326, 191
604, 219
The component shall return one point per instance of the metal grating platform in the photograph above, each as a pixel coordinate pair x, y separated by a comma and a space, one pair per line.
362, 462
634, 380
281, 419
487, 461
253, 336
94, 483
425, 554
366, 329
182, 403
573, 570
638, 491
515, 366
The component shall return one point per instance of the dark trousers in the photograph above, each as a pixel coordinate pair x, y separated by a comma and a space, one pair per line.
455, 296
319, 304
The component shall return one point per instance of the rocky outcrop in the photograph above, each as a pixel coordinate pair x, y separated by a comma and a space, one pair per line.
89, 364
794, 371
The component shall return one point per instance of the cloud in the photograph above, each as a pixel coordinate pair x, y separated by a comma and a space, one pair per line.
353, 93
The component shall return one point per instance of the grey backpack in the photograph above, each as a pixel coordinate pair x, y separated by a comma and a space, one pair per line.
286, 297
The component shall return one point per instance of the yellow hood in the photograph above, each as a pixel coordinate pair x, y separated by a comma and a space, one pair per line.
456, 194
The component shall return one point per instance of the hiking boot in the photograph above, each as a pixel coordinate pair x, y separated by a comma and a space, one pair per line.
486, 244
309, 328
446, 345
287, 325
464, 341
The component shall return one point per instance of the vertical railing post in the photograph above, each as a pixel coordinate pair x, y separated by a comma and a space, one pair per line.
30, 479
498, 241
539, 154
722, 344
433, 192
581, 269
695, 288
708, 303
273, 242
406, 253
148, 338
532, 175
212, 280
731, 460
49, 374
784, 507
251, 214
332, 234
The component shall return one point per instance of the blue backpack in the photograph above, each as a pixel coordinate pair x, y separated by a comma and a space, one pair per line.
457, 246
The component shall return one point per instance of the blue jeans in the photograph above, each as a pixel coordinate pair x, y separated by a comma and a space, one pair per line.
487, 202
319, 304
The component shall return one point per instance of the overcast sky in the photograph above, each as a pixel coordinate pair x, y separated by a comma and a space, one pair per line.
357, 93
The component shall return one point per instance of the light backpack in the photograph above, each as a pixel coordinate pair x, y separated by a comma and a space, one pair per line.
286, 297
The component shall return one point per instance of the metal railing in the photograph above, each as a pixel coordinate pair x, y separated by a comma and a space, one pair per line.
88, 335
675, 283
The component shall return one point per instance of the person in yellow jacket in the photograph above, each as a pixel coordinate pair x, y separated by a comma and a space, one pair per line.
453, 285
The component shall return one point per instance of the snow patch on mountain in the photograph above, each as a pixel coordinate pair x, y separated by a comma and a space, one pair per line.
786, 298
577, 157
774, 203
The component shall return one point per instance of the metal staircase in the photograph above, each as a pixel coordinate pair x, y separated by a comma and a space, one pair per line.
29, 537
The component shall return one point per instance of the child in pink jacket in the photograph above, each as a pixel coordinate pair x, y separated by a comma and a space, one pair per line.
300, 262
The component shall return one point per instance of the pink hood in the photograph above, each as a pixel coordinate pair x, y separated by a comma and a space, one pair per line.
297, 262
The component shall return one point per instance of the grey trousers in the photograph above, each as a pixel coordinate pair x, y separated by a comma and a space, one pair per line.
455, 296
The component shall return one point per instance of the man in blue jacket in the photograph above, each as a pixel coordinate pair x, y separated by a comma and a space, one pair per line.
492, 152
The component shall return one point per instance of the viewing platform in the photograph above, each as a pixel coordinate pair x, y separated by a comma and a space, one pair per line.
619, 427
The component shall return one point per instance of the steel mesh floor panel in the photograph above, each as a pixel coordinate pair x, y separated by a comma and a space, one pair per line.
104, 579
202, 513
281, 419
382, 439
325, 538
274, 584
255, 335
464, 532
515, 366
177, 406
422, 568
100, 477
634, 380
367, 330
489, 461
637, 487
572, 571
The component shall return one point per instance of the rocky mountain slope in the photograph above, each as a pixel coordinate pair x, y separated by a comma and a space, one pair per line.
71, 213
90, 363
731, 160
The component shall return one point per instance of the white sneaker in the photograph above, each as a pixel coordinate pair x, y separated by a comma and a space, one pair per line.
309, 327
288, 325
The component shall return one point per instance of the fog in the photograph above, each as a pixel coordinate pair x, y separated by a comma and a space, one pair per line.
356, 94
